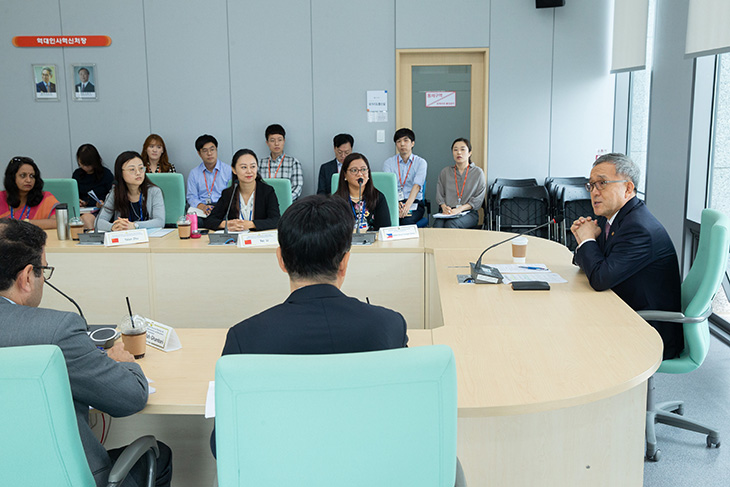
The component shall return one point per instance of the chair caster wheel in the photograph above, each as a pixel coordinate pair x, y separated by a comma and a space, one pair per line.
713, 441
655, 457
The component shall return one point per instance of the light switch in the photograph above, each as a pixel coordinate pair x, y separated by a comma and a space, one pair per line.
380, 136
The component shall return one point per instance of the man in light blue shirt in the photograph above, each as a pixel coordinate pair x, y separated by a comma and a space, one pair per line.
410, 172
209, 178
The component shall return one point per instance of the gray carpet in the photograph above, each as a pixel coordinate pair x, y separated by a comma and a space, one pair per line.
685, 459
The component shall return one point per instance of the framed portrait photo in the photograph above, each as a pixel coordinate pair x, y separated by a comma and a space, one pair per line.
85, 82
44, 79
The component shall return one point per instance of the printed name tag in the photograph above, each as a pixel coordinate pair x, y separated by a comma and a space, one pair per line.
398, 233
162, 337
126, 237
257, 239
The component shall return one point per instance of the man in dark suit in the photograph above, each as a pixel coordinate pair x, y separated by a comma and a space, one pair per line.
317, 318
85, 86
45, 86
343, 148
626, 249
110, 382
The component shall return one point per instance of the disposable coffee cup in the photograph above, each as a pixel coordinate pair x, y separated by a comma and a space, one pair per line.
183, 228
134, 337
76, 226
519, 250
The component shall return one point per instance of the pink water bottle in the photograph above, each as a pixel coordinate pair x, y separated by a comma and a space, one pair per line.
193, 222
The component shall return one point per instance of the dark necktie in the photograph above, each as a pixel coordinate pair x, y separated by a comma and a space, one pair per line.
606, 229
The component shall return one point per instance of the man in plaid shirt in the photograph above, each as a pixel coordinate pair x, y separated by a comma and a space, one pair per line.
280, 165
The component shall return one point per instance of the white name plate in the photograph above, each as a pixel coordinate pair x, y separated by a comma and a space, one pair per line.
398, 233
162, 337
257, 239
126, 237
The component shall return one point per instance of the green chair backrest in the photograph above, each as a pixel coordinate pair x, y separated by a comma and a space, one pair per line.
66, 190
282, 187
41, 443
173, 192
699, 289
386, 183
373, 418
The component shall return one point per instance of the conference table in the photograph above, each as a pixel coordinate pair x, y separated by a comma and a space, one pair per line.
551, 384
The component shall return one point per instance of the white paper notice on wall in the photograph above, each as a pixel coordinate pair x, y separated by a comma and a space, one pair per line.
377, 106
440, 99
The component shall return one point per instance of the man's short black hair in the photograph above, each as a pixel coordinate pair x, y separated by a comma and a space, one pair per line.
21, 243
204, 139
404, 132
341, 139
315, 233
275, 129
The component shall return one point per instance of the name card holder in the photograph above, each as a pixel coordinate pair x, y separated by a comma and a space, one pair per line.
398, 233
125, 237
257, 239
162, 337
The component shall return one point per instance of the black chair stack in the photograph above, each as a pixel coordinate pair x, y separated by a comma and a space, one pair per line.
518, 208
490, 202
569, 200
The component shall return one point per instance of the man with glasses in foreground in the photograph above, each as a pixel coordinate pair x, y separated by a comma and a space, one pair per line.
110, 382
626, 249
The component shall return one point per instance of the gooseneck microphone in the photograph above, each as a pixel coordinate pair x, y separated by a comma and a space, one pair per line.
362, 205
81, 313
482, 274
233, 195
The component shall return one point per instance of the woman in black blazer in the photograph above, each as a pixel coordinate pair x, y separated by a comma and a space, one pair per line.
367, 203
254, 205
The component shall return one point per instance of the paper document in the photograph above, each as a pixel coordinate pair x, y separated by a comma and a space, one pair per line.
444, 216
149, 387
520, 268
551, 277
159, 232
210, 401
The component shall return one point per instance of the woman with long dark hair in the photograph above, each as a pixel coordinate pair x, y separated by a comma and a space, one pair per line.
24, 198
460, 189
154, 155
133, 202
94, 181
367, 203
254, 205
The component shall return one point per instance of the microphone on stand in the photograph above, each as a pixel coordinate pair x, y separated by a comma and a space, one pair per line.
93, 238
362, 206
484, 274
233, 194
81, 313
224, 238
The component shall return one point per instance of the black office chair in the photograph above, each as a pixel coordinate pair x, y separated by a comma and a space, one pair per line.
520, 208
491, 197
573, 202
553, 186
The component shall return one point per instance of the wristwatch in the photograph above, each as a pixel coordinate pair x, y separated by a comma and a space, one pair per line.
136, 225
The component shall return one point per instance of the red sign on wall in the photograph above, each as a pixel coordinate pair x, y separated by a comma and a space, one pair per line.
62, 41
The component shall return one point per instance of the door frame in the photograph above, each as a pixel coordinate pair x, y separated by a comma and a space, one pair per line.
478, 58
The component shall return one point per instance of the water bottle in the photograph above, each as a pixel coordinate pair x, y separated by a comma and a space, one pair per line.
62, 221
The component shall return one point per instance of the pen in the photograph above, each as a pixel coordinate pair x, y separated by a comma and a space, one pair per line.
533, 268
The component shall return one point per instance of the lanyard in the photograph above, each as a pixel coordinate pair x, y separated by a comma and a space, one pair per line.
242, 203
210, 191
358, 217
403, 182
459, 194
277, 167
21, 213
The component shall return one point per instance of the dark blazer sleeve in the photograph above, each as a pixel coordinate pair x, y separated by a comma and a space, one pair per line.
322, 184
266, 207
381, 217
631, 251
218, 214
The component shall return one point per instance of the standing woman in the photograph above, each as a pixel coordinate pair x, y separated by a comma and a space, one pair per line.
460, 188
91, 177
154, 155
133, 202
369, 207
254, 206
24, 198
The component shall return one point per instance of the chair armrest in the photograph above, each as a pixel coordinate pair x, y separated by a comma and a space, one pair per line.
129, 457
673, 316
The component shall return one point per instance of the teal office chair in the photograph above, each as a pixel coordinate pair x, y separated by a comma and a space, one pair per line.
282, 187
65, 190
173, 192
385, 418
698, 291
41, 443
385, 182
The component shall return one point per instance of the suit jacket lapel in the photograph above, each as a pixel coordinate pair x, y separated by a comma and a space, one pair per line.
616, 226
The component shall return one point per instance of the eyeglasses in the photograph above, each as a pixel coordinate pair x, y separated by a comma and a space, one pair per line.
212, 150
355, 170
47, 271
134, 170
601, 185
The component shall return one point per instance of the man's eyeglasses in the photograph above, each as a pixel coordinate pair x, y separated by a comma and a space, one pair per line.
355, 170
47, 271
601, 185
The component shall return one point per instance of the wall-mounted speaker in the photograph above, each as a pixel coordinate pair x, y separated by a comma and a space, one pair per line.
549, 3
